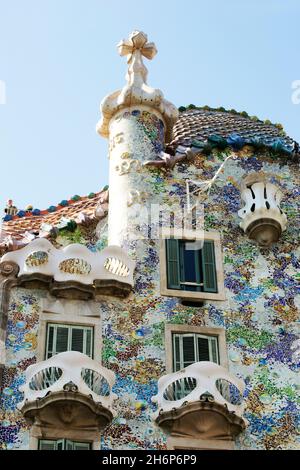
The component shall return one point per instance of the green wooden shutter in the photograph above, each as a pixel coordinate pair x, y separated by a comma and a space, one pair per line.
188, 350
62, 337
173, 264
209, 267
213, 346
77, 339
88, 342
50, 341
176, 353
203, 349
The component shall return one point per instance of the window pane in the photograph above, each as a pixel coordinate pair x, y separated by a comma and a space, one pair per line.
60, 445
69, 445
62, 334
189, 264
77, 339
81, 445
47, 445
188, 350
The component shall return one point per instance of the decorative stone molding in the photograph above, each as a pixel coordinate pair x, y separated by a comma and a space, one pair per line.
263, 220
202, 401
136, 92
72, 270
8, 273
65, 387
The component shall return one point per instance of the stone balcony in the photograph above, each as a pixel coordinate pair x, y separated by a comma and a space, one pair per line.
200, 406
74, 271
68, 393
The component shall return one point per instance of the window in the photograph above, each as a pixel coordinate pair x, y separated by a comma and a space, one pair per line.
61, 338
63, 444
186, 344
191, 347
191, 268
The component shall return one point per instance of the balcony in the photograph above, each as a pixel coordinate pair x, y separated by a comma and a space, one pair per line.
201, 405
69, 392
74, 271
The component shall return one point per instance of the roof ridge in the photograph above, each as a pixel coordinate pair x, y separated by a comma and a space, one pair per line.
232, 111
29, 212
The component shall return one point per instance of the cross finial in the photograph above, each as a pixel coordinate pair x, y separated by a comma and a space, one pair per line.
136, 92
134, 48
137, 41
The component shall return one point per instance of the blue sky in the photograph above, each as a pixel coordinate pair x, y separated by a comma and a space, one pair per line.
58, 59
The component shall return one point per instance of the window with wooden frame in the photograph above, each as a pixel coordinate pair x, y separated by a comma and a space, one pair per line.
63, 444
63, 337
191, 268
189, 348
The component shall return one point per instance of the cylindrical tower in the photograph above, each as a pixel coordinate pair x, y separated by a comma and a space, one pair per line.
137, 120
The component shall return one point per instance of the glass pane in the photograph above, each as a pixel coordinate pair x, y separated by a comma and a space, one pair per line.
69, 445
77, 339
47, 445
81, 445
189, 265
60, 445
62, 333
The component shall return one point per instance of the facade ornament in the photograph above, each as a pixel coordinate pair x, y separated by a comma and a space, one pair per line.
136, 92
263, 219
9, 269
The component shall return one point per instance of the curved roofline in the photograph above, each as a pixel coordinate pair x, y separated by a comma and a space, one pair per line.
244, 114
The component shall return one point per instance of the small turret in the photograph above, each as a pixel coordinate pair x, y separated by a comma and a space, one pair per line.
137, 120
10, 209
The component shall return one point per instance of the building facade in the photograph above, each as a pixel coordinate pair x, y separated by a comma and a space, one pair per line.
161, 312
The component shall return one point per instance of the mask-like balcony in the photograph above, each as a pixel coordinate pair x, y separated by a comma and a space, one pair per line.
200, 404
68, 391
263, 220
74, 271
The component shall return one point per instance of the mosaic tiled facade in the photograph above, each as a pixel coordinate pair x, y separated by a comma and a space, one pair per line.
260, 314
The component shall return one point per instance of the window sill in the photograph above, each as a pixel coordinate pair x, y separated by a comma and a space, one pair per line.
190, 295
